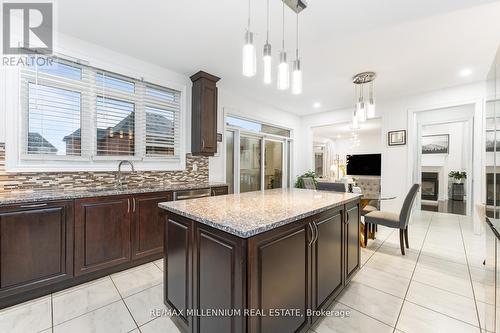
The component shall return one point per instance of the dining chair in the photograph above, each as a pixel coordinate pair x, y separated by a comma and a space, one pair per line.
394, 220
334, 187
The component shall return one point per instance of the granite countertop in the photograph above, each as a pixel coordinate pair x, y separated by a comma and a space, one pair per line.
19, 197
248, 214
495, 226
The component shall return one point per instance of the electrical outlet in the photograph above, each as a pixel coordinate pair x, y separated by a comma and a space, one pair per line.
195, 167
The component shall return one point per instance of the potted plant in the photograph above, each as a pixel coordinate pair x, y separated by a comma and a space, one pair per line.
458, 176
299, 183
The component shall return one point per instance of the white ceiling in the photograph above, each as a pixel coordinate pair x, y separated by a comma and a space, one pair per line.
413, 45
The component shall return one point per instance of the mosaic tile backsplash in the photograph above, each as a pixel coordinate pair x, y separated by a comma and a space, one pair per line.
82, 180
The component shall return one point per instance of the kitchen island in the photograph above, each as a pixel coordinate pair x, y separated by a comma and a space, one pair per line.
265, 261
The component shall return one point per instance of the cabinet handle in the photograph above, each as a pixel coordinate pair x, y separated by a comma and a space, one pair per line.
317, 232
128, 206
34, 205
312, 234
133, 205
203, 143
347, 218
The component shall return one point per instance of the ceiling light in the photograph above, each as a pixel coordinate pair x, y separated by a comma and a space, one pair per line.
249, 55
465, 72
268, 60
283, 67
370, 107
297, 72
317, 105
363, 110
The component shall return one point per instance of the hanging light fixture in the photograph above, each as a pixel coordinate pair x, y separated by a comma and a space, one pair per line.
249, 55
268, 60
283, 67
363, 110
297, 72
370, 108
360, 106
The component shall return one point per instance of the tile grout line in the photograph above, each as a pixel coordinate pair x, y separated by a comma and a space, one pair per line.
413, 273
470, 278
52, 312
124, 303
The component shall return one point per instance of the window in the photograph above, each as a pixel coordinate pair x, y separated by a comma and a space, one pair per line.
72, 111
256, 127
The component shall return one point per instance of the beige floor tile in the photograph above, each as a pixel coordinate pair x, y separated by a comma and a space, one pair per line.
354, 322
143, 303
417, 319
160, 325
384, 281
79, 300
109, 319
371, 302
450, 304
31, 316
159, 264
137, 279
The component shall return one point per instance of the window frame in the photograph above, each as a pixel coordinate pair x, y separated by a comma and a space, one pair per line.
89, 162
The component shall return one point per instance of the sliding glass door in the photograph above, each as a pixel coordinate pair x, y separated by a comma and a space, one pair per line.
273, 164
250, 164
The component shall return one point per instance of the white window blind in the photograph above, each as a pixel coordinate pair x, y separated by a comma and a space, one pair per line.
75, 111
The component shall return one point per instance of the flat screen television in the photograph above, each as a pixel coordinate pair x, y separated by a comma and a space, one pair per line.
364, 165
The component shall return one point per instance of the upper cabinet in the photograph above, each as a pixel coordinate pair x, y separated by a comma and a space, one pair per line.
204, 114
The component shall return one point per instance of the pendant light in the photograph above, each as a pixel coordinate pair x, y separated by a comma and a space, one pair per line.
268, 60
360, 106
283, 67
249, 55
370, 108
363, 110
297, 72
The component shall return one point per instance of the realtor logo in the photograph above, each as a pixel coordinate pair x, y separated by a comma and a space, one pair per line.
27, 28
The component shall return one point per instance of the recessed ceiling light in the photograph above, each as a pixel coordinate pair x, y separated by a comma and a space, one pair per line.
317, 105
465, 72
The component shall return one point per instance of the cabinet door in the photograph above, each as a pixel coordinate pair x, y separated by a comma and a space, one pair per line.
218, 279
36, 245
327, 267
177, 280
209, 118
102, 233
147, 226
280, 269
352, 250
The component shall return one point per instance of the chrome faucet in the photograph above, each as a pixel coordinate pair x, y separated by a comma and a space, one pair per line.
119, 175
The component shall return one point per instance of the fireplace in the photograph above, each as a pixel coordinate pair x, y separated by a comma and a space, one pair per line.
430, 186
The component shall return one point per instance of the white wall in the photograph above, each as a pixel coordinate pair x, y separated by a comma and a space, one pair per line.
394, 114
231, 103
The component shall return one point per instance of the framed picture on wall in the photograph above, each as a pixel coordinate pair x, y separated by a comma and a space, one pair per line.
436, 144
396, 138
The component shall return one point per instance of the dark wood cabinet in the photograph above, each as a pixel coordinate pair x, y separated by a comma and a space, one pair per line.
301, 266
327, 273
351, 234
102, 233
36, 246
178, 253
147, 224
204, 114
280, 281
221, 190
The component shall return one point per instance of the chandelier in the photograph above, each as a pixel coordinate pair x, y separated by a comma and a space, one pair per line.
283, 73
364, 108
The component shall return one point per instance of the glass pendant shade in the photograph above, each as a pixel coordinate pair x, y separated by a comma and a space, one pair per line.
283, 72
268, 63
249, 56
296, 78
355, 121
370, 109
361, 111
